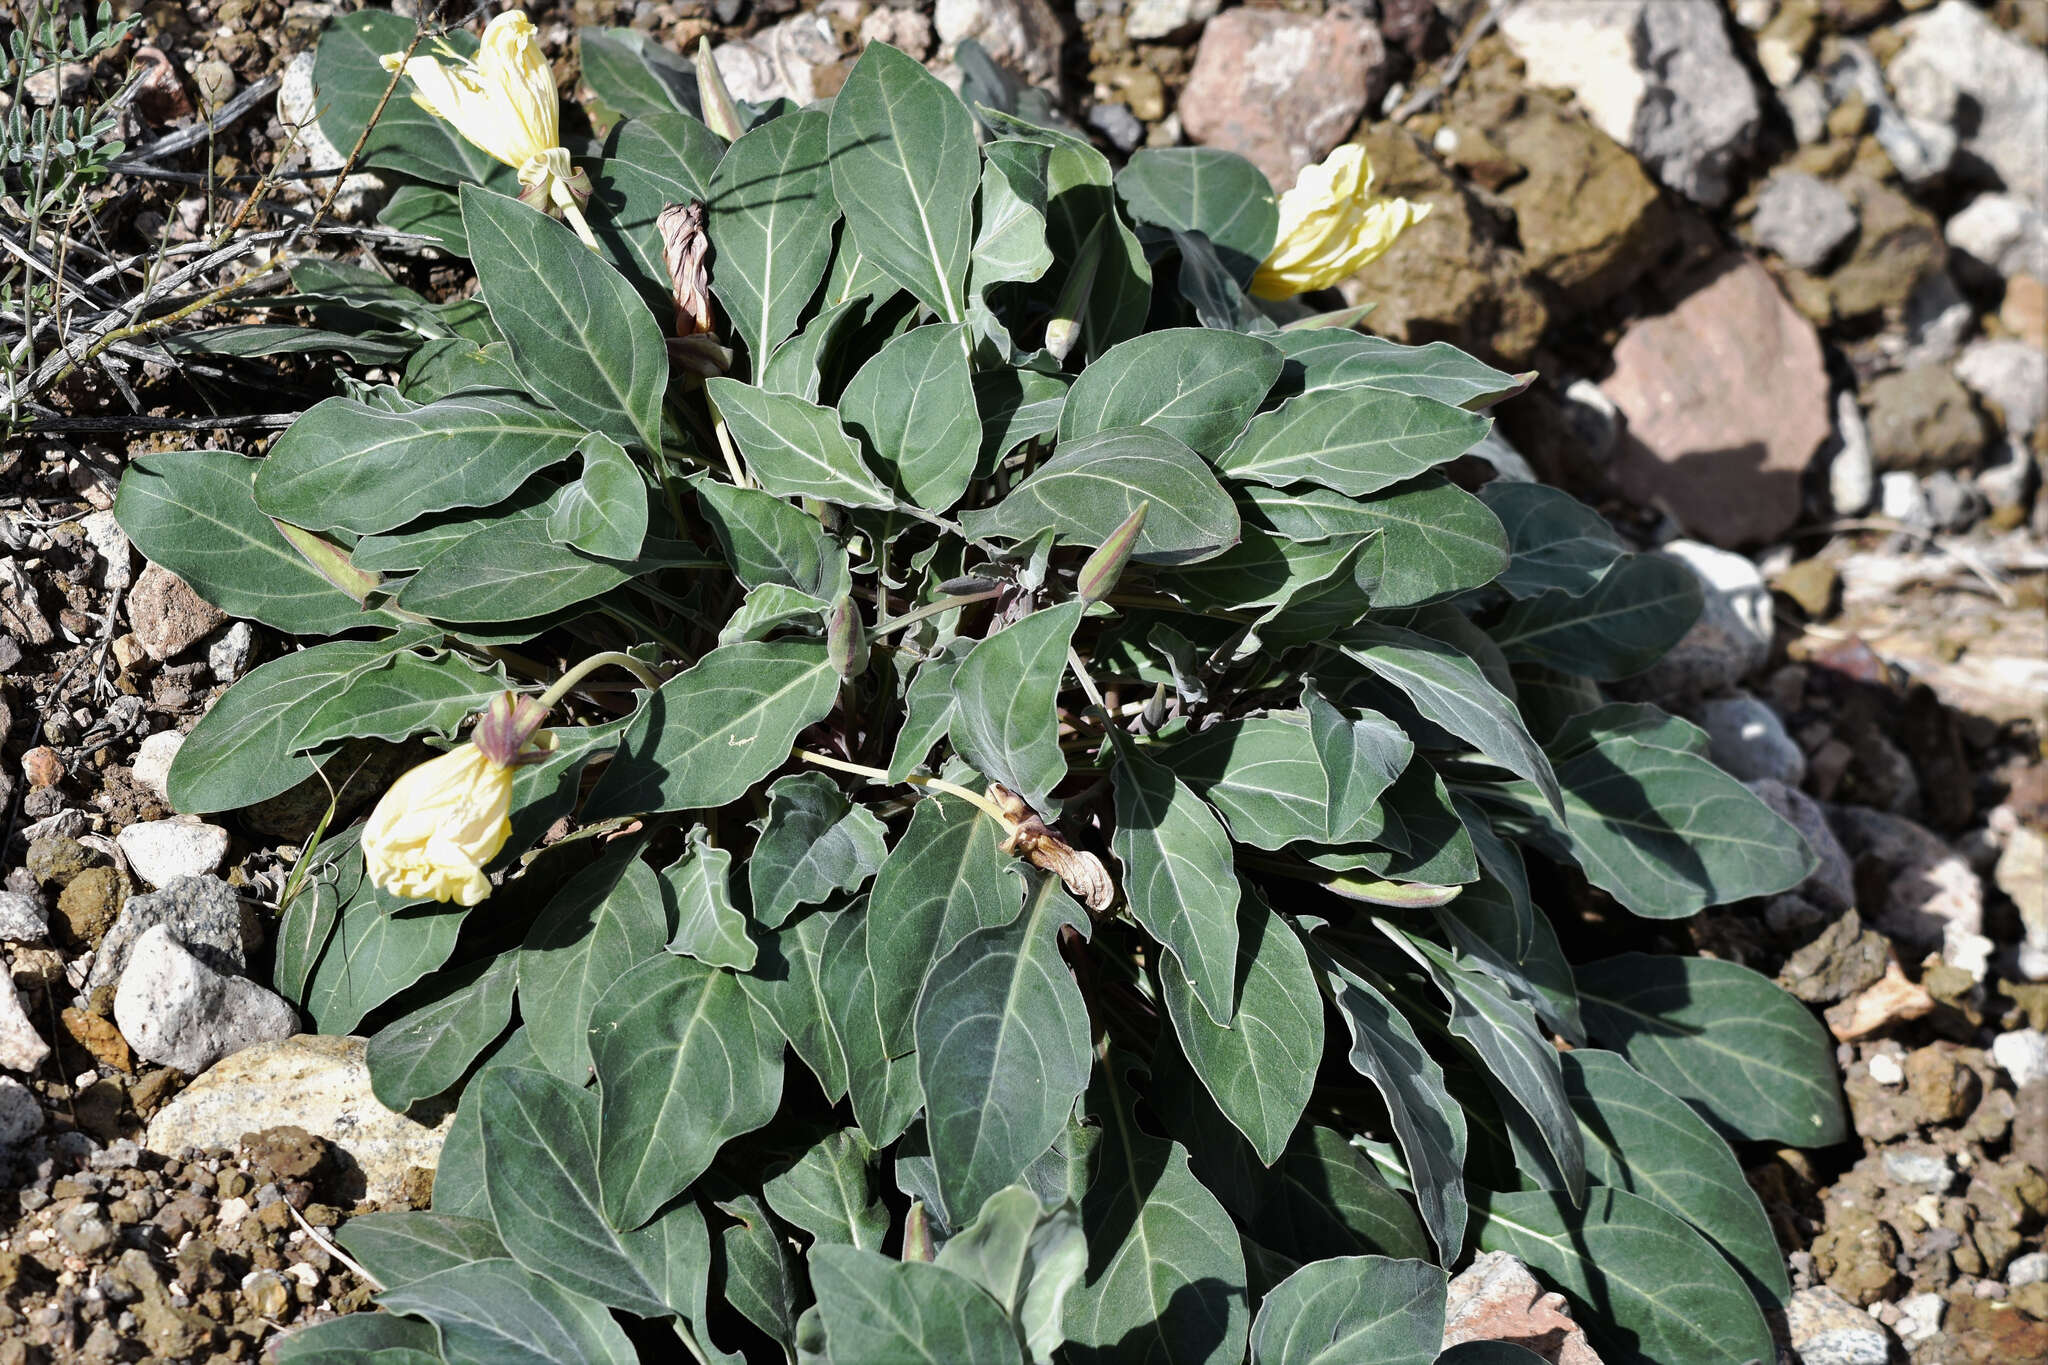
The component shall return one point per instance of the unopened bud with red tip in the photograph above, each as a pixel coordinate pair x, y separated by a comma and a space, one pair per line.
1098, 577
846, 639
503, 731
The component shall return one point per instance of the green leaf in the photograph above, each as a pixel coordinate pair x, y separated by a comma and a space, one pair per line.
607, 919
833, 1192
758, 1279
927, 708
1009, 243
709, 927
261, 339
1750, 1058
1002, 1048
1641, 608
1260, 1064
1027, 1257
1016, 406
495, 1313
1266, 775
795, 448
1361, 755
1428, 1122
876, 1309
946, 878
1335, 357
1166, 1277
798, 365
1558, 543
1435, 539
509, 568
604, 512
430, 212
1005, 721
540, 1159
1350, 1309
399, 1248
399, 697
1351, 440
1178, 875
770, 221
633, 75
913, 404
1489, 1353
787, 982
581, 337
814, 842
241, 750
770, 607
1097, 481
684, 1062
1448, 689
360, 1339
1326, 1198
421, 1054
768, 541
1195, 384
904, 170
717, 728
349, 82
195, 514
1649, 1288
1207, 190
881, 1082
441, 369
374, 951
1664, 831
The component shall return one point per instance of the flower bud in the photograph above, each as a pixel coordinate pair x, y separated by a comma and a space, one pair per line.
437, 827
1098, 577
846, 639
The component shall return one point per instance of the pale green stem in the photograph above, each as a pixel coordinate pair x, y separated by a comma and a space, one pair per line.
568, 680
938, 608
975, 799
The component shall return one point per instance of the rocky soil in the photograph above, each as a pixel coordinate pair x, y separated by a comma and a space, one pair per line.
1782, 269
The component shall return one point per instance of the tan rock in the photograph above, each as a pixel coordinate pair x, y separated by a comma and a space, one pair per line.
168, 616
1892, 1000
1726, 399
316, 1082
1497, 1299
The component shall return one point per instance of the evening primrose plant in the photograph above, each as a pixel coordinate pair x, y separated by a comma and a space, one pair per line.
1005, 789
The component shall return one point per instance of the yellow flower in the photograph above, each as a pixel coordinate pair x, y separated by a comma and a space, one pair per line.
1331, 226
504, 102
437, 827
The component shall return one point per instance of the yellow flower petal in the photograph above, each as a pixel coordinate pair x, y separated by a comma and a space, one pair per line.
503, 102
1331, 226
437, 827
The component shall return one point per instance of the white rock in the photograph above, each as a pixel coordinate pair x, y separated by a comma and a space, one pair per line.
2005, 81
1024, 35
1919, 150
2031, 1268
21, 1116
1885, 1069
1937, 318
1807, 105
780, 61
1150, 20
21, 1047
1747, 739
105, 535
1658, 76
1900, 497
1827, 1329
22, 918
161, 851
204, 914
2023, 1054
1732, 638
298, 104
1919, 1318
1919, 1168
2011, 374
1852, 468
229, 656
318, 1083
1930, 886
153, 757
1967, 951
176, 1010
1802, 218
2003, 233
231, 1211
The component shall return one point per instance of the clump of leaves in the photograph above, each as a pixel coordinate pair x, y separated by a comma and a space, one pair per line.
791, 1052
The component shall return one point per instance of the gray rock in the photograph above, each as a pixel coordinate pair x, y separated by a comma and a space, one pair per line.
1117, 123
298, 107
1150, 20
174, 1009
779, 62
163, 851
1852, 469
2003, 234
1807, 105
1827, 1329
1658, 76
105, 535
1747, 739
1919, 1318
1832, 886
1730, 641
229, 656
2004, 80
21, 1117
1023, 35
2010, 374
1802, 218
1929, 890
320, 1084
1929, 1169
2009, 481
83, 1230
153, 758
2022, 1054
202, 913
23, 919
2031, 1268
1953, 504
1937, 317
21, 1047
1921, 419
1920, 151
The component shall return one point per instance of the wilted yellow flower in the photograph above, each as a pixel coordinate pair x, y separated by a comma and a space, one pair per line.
504, 102
1331, 226
437, 827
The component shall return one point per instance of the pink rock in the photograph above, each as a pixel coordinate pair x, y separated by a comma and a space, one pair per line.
1282, 89
1726, 400
1497, 1299
168, 616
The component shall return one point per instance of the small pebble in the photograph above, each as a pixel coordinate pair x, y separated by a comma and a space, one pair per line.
1885, 1069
